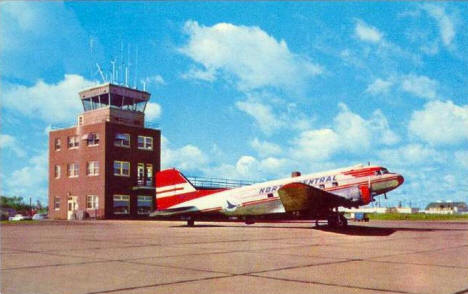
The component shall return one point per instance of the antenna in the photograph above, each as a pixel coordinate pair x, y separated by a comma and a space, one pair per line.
135, 78
101, 73
144, 85
113, 71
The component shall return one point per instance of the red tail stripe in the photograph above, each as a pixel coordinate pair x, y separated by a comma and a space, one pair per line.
169, 177
166, 202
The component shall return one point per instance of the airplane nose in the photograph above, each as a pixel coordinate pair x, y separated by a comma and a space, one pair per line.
400, 180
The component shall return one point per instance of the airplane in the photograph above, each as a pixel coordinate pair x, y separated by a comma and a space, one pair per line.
312, 196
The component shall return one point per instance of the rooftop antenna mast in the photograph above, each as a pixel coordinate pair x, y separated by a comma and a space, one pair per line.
113, 71
104, 80
135, 78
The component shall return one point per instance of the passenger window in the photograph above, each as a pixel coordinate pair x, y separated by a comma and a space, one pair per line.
322, 186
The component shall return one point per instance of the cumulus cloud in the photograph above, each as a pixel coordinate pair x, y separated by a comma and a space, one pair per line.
262, 113
187, 158
420, 86
379, 86
349, 133
8, 142
52, 103
440, 123
152, 111
412, 154
444, 21
461, 158
254, 58
31, 180
367, 33
156, 79
265, 148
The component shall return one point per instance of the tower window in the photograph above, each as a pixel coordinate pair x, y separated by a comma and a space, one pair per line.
92, 202
73, 142
122, 140
145, 143
93, 139
58, 144
57, 171
72, 170
93, 168
57, 203
121, 204
121, 168
144, 205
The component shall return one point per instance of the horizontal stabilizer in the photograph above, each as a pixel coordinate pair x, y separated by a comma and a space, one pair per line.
175, 211
299, 196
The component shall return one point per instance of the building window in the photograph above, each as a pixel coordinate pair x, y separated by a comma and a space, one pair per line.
57, 203
122, 140
144, 205
122, 168
145, 143
92, 202
93, 139
73, 142
121, 204
72, 170
93, 168
57, 171
149, 174
58, 144
141, 173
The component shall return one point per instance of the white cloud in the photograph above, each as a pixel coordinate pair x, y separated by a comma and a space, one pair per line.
440, 123
412, 154
444, 21
31, 180
350, 133
8, 142
367, 33
156, 79
53, 103
208, 75
152, 111
249, 54
379, 86
263, 115
187, 158
265, 148
40, 25
420, 86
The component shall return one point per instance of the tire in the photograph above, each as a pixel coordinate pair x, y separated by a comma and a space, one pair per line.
190, 223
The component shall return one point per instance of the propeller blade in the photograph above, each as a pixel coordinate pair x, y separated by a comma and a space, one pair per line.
385, 195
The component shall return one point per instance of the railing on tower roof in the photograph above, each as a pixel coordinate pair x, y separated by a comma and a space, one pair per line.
215, 183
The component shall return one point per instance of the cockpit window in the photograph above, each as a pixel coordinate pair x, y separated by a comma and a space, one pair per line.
384, 171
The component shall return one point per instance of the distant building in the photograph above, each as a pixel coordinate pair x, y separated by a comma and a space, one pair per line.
449, 207
105, 165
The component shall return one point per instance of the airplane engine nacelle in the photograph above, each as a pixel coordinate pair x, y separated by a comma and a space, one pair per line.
365, 194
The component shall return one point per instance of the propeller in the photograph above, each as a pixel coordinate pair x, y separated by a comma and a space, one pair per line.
385, 196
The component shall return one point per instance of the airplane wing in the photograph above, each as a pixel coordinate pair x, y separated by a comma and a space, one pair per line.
186, 210
299, 196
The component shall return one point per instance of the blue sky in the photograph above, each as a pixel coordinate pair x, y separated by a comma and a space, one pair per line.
250, 90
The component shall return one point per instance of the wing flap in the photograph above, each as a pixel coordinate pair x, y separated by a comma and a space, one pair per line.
299, 196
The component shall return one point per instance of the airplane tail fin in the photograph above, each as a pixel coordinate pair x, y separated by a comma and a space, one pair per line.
171, 187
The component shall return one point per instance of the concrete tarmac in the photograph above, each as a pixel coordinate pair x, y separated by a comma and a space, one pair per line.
291, 257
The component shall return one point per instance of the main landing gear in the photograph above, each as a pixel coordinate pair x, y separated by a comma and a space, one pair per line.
337, 220
190, 222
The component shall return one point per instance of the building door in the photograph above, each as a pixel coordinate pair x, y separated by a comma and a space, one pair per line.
72, 206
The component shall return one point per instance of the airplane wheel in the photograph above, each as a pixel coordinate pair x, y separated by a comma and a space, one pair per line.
343, 221
190, 223
332, 221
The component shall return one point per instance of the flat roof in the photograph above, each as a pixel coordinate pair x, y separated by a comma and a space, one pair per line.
114, 89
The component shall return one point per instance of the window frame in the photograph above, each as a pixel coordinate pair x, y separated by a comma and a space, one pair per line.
121, 169
150, 200
95, 139
121, 198
120, 143
93, 200
57, 144
57, 171
92, 168
147, 140
57, 201
76, 167
73, 142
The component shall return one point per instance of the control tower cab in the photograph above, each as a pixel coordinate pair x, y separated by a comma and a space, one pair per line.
113, 103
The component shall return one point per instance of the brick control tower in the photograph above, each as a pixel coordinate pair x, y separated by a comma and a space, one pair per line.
104, 167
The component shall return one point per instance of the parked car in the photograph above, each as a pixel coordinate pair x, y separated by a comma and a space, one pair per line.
19, 217
40, 216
